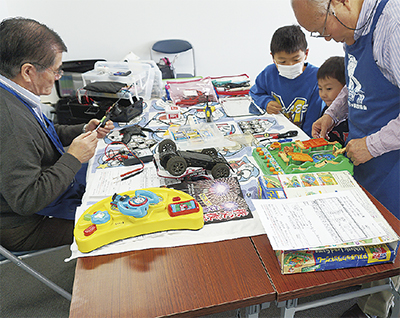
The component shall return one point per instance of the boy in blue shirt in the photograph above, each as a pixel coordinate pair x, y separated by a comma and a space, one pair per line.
289, 85
332, 81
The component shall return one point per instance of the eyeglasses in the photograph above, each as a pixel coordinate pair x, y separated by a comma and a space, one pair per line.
57, 74
316, 34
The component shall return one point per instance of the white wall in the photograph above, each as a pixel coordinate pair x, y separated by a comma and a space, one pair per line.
229, 36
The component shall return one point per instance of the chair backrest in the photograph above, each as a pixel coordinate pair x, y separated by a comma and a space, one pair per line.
175, 47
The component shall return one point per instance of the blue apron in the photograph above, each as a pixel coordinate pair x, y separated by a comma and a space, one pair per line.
63, 206
373, 102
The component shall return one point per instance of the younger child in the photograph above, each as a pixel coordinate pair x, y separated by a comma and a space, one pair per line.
289, 85
331, 81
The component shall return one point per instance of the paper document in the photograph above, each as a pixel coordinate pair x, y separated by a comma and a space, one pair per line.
106, 182
316, 221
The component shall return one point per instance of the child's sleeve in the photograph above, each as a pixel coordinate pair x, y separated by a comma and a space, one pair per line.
259, 92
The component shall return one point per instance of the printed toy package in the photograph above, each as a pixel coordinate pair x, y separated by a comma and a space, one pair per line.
298, 222
320, 260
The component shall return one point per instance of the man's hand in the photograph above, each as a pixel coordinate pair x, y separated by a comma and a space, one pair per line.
357, 151
102, 131
83, 147
273, 107
322, 126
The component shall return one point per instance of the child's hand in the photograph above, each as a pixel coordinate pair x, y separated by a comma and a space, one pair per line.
273, 107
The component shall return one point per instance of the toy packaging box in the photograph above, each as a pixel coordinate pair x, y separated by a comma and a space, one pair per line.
365, 252
319, 260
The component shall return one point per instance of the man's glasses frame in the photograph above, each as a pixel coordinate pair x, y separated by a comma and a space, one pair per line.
57, 74
316, 34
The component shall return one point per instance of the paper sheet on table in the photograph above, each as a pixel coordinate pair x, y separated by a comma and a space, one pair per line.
316, 221
106, 182
209, 233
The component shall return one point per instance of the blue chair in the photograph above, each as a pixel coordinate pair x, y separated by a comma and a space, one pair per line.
17, 258
175, 47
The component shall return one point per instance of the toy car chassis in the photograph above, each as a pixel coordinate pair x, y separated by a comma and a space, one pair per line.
176, 161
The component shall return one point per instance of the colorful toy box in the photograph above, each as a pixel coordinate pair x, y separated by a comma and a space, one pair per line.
320, 260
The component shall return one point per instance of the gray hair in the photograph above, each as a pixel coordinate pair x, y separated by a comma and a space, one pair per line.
320, 5
27, 41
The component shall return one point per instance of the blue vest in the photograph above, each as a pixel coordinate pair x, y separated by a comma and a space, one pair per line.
65, 205
373, 102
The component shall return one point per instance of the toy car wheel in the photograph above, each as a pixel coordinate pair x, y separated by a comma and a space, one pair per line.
220, 170
166, 144
210, 151
176, 166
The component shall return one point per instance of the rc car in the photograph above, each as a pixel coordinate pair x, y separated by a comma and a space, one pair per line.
176, 161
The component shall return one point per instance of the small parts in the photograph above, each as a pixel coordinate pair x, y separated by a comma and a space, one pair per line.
314, 143
284, 157
299, 156
324, 162
268, 161
338, 151
275, 145
300, 145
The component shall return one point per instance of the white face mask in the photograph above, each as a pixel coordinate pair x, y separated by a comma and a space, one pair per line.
290, 71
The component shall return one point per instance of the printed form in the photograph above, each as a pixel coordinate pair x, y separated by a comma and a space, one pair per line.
316, 221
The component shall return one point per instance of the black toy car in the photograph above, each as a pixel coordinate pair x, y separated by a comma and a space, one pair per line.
176, 161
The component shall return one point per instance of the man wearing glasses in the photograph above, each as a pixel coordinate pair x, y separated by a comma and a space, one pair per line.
370, 31
41, 183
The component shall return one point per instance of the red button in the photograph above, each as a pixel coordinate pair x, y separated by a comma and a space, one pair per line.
90, 230
174, 199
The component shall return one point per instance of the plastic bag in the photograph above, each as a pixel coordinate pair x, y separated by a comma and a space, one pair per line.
193, 92
235, 85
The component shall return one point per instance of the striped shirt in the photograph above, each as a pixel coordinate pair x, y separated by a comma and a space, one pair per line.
386, 48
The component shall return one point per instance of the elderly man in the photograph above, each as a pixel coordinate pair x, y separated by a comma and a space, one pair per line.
370, 31
41, 183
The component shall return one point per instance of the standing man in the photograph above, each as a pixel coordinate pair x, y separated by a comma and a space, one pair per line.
41, 184
370, 31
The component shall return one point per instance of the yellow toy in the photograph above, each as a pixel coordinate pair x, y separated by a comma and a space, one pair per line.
135, 213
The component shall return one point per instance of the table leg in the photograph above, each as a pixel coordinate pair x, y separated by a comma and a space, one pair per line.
253, 311
396, 300
289, 307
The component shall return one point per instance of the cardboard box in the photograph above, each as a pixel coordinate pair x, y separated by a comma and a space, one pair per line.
335, 258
